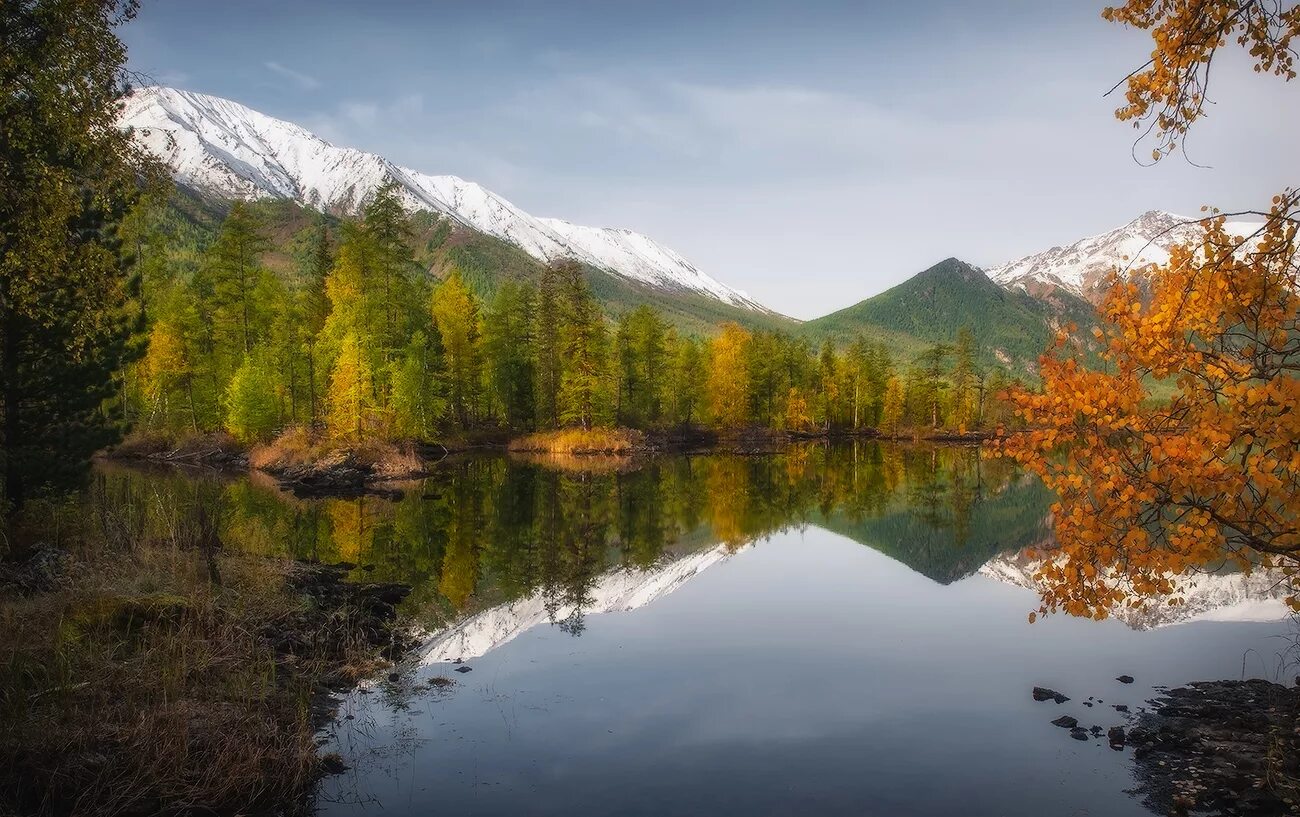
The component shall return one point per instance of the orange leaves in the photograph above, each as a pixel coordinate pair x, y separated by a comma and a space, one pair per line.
1148, 486
1169, 91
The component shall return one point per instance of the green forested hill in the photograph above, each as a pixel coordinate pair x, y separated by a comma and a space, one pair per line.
483, 261
1010, 328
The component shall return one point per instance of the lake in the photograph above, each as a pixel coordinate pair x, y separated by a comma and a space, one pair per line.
830, 630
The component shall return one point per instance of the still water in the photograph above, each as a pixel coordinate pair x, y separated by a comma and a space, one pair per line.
833, 630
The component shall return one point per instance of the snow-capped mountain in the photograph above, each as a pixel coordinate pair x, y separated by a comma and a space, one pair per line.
1079, 268
225, 149
1257, 596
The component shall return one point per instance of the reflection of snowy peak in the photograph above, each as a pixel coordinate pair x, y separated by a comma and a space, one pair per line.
222, 148
1207, 597
616, 591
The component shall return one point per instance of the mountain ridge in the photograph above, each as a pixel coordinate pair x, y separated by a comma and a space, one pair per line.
222, 148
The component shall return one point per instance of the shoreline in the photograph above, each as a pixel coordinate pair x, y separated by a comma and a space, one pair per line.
290, 635
349, 471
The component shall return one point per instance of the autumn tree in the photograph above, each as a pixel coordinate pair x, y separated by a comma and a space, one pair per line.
456, 316
1149, 490
893, 407
727, 385
1169, 92
350, 400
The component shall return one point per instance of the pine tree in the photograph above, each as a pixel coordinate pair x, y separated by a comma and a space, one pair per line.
687, 375
584, 395
546, 340
68, 177
508, 348
389, 231
238, 277
965, 381
640, 354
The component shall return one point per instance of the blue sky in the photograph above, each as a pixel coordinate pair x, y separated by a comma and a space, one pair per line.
812, 154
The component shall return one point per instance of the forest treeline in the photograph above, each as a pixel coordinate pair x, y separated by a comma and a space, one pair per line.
357, 340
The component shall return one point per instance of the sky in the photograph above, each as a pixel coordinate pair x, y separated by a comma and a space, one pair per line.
811, 154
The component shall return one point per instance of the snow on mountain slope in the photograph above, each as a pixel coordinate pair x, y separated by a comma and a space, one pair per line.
223, 148
1258, 596
638, 256
1080, 267
617, 590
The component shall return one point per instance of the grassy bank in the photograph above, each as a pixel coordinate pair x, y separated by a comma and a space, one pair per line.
157, 674
578, 441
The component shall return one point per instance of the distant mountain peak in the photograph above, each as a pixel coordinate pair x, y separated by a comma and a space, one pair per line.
1080, 268
221, 148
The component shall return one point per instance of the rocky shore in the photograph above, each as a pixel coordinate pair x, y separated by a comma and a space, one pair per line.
1210, 748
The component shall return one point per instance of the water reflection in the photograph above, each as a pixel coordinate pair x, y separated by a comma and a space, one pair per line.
834, 630
489, 531
485, 530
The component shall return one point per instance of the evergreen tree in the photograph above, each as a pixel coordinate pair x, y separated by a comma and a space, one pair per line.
893, 406
584, 342
239, 280
965, 381
389, 231
68, 177
686, 378
508, 347
546, 340
640, 343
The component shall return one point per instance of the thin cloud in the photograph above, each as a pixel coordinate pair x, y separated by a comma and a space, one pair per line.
303, 81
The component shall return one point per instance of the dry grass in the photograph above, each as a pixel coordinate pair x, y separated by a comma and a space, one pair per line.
193, 447
580, 441
148, 681
299, 447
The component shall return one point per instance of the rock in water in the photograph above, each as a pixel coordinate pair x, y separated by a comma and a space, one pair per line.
464, 668
1116, 737
1125, 679
1066, 722
1044, 694
1079, 733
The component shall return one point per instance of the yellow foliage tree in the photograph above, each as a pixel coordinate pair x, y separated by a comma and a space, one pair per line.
728, 382
1149, 489
455, 313
350, 402
798, 417
165, 368
891, 414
